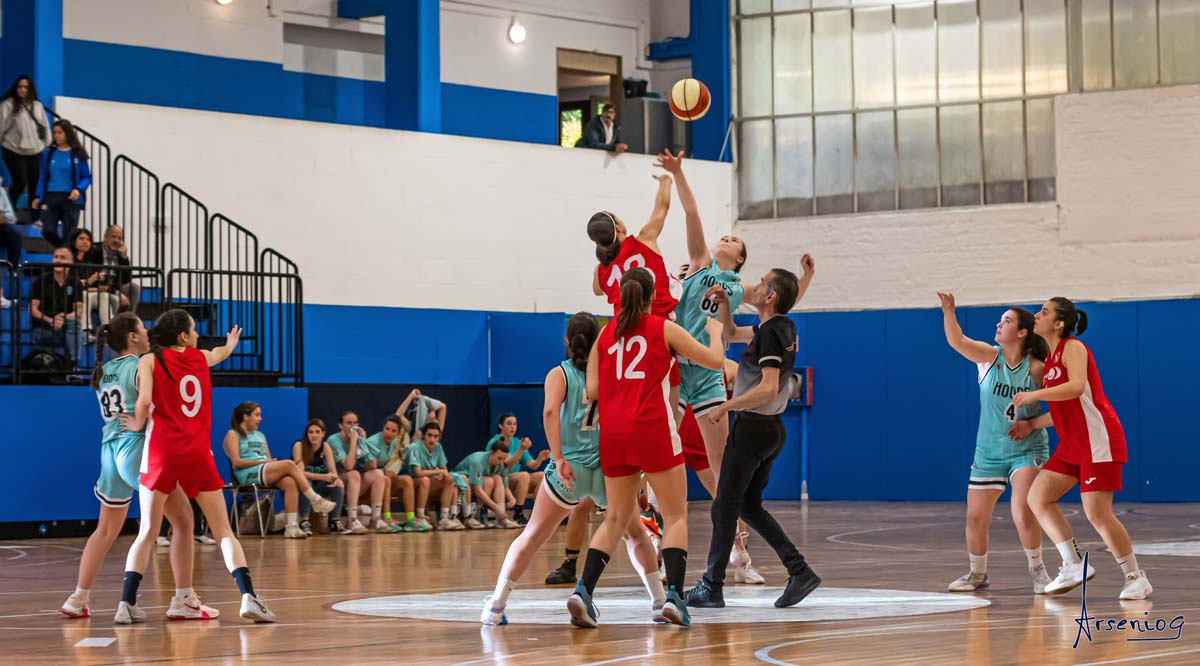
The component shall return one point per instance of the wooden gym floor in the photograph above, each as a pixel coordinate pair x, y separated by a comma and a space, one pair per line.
892, 550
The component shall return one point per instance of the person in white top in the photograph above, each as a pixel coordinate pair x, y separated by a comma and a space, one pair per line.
24, 134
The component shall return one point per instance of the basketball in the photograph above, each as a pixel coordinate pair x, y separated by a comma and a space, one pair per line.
689, 99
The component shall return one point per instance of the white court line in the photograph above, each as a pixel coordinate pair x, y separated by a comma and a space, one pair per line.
20, 550
1140, 657
95, 642
655, 654
491, 659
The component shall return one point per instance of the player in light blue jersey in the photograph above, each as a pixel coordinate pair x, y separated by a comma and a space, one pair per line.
701, 388
1013, 365
571, 426
115, 384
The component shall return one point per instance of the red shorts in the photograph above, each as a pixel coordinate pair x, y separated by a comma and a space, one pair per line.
634, 457
1092, 476
695, 456
204, 479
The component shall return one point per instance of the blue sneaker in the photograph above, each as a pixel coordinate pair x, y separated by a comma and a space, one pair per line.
492, 615
675, 610
583, 611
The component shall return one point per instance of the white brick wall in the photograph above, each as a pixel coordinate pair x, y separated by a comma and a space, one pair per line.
1127, 225
387, 218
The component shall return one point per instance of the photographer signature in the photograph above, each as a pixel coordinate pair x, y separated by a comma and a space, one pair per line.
1157, 628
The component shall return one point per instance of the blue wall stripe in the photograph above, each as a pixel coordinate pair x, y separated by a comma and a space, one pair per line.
187, 80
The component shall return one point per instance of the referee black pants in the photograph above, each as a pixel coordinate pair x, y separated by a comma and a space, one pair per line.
745, 469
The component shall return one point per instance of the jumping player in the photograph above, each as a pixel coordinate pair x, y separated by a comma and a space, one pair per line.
175, 395
1013, 365
628, 373
115, 384
1090, 452
701, 390
573, 475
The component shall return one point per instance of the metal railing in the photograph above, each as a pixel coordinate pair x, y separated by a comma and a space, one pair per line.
8, 321
135, 203
65, 352
268, 307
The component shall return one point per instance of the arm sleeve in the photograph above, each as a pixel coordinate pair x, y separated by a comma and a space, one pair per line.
771, 348
441, 458
85, 176
435, 404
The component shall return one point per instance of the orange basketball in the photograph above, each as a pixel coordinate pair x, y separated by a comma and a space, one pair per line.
689, 99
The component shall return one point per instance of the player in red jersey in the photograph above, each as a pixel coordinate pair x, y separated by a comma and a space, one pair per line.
1091, 450
175, 394
628, 374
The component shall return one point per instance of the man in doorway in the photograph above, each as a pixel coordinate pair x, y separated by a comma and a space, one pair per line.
602, 132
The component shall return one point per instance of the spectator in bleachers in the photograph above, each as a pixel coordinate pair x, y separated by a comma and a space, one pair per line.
112, 252
602, 132
523, 476
316, 458
348, 452
10, 241
429, 468
62, 183
380, 450
252, 463
420, 409
94, 288
55, 305
24, 134
485, 482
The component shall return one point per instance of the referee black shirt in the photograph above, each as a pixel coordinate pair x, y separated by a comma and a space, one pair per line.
773, 346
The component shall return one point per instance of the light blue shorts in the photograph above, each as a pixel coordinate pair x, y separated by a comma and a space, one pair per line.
701, 388
247, 476
120, 464
589, 482
993, 473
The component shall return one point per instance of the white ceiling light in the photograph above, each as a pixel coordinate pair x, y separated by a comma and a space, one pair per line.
224, 2
516, 32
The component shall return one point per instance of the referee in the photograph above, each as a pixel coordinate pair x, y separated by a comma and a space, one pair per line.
760, 395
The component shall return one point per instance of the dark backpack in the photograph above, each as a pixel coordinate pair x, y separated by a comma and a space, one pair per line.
44, 366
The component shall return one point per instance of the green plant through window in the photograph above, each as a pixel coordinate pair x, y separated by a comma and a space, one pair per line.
571, 126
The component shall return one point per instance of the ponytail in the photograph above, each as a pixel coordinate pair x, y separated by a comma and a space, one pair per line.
602, 229
1075, 320
637, 293
582, 330
116, 334
101, 339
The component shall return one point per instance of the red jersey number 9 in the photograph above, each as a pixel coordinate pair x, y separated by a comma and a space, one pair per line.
189, 391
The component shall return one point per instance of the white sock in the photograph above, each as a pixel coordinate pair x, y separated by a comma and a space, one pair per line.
1128, 564
183, 592
227, 551
312, 495
1069, 552
445, 514
978, 563
293, 519
469, 511
654, 586
1034, 556
500, 595
376, 512
82, 591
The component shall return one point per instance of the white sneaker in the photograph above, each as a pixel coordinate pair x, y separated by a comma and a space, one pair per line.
191, 608
446, 524
1070, 576
1040, 578
971, 582
128, 614
254, 609
738, 555
1137, 586
323, 506
294, 532
77, 606
473, 524
5, 303
748, 575
306, 527
162, 541
380, 526
353, 526
491, 615
509, 524
205, 540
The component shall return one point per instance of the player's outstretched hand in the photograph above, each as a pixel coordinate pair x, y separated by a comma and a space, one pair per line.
233, 336
807, 265
663, 179
668, 162
716, 294
947, 300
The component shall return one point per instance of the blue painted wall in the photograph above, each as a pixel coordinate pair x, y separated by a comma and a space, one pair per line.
59, 430
192, 81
